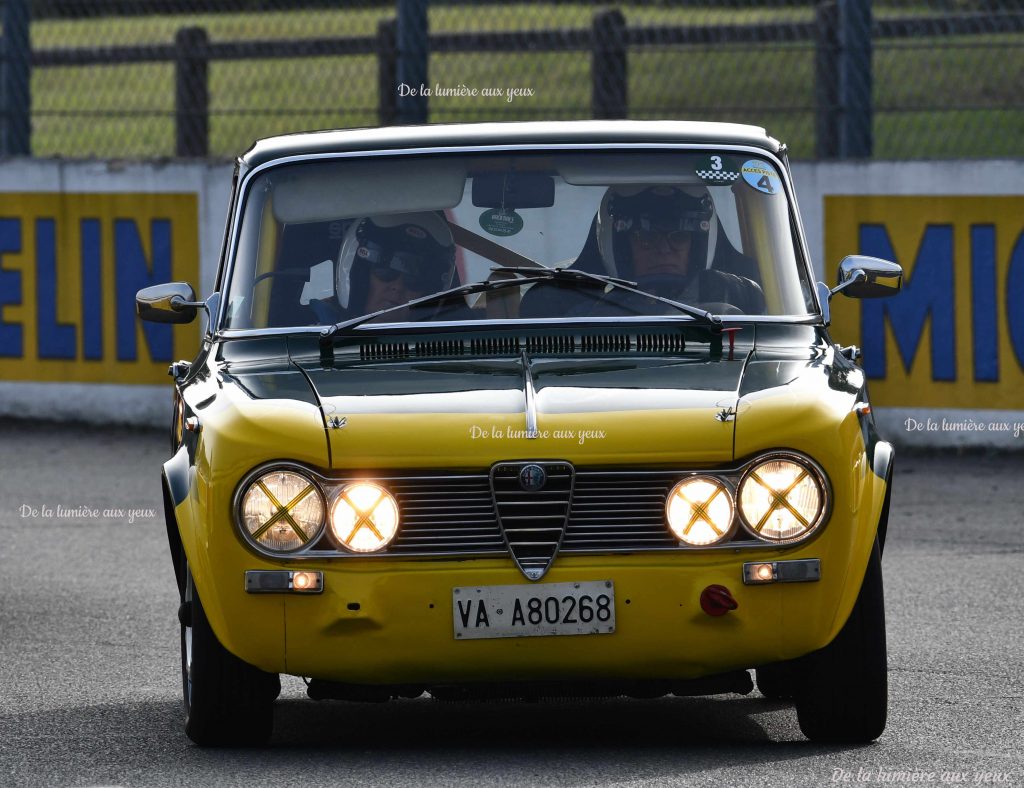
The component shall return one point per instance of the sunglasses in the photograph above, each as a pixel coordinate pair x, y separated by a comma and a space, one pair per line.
386, 274
677, 240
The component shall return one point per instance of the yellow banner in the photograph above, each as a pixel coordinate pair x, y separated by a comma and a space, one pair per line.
954, 336
70, 265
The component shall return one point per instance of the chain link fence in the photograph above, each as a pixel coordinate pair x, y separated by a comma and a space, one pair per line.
888, 79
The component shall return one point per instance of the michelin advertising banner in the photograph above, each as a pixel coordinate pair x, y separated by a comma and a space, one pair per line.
954, 336
944, 358
70, 265
77, 240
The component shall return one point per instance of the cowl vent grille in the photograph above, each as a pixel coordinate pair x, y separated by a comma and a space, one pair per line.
511, 346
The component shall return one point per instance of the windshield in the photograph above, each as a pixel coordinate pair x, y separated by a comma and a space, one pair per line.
327, 241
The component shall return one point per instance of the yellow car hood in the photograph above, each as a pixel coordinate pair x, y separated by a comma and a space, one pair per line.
469, 413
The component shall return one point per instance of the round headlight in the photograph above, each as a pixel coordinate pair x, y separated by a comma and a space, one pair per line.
282, 511
700, 511
781, 500
364, 518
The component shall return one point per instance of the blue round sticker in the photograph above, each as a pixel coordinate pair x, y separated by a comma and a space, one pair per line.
761, 176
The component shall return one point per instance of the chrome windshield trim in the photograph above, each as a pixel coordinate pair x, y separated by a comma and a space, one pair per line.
800, 242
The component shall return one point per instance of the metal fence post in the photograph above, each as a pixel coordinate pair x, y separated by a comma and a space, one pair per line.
191, 92
413, 51
608, 66
387, 72
15, 69
826, 80
855, 79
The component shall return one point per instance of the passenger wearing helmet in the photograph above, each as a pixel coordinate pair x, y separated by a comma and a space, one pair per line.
386, 261
659, 237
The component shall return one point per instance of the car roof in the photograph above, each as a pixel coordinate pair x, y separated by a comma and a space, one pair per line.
486, 134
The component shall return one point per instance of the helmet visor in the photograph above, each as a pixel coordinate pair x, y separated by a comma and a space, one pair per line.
418, 272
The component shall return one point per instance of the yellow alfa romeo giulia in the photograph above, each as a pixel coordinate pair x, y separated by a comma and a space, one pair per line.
518, 410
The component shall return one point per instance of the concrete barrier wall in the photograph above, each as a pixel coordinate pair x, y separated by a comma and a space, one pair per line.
945, 358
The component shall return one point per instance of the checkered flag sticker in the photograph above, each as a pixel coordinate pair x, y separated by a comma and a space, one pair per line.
718, 175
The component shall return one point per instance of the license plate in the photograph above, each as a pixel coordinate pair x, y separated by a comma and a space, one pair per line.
534, 610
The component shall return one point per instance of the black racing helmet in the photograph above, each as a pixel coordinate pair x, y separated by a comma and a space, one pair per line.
665, 209
418, 247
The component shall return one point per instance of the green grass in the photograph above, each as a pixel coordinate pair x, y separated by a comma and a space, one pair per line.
921, 88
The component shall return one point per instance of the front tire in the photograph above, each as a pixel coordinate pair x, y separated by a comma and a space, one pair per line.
228, 702
843, 696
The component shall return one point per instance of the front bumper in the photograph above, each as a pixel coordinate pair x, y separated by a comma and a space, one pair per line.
391, 622
396, 627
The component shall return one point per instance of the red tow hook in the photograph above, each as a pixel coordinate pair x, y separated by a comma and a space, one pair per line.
717, 601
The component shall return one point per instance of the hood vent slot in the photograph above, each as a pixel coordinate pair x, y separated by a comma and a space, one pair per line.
383, 350
441, 347
605, 343
495, 346
660, 343
551, 344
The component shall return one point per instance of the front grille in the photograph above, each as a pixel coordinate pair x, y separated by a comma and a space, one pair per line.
440, 514
620, 511
445, 514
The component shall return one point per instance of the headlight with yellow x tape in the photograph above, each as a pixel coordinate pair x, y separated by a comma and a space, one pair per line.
364, 518
282, 511
700, 511
782, 499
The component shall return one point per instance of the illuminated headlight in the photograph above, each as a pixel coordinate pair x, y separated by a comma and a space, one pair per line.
282, 511
782, 500
700, 511
364, 518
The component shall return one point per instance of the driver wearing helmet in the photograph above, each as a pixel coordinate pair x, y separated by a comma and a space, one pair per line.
386, 261
658, 236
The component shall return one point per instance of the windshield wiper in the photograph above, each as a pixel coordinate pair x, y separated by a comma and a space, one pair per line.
526, 276
574, 275
474, 287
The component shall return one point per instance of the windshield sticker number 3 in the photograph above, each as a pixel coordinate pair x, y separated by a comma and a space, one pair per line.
762, 177
715, 169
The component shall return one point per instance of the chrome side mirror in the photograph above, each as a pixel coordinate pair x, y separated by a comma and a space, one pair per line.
861, 277
170, 303
868, 277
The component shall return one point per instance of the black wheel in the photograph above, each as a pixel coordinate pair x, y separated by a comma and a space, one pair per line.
843, 695
779, 681
227, 701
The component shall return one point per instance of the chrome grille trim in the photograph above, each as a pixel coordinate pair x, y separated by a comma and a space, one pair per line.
545, 512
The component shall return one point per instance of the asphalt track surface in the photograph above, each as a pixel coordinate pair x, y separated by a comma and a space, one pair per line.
90, 684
